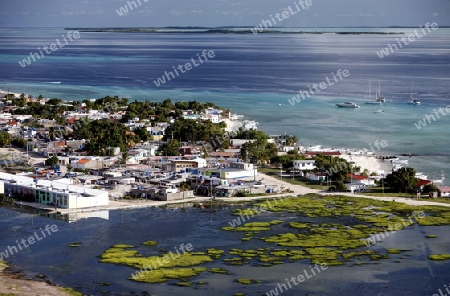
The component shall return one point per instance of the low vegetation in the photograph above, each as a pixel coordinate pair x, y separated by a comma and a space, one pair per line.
331, 230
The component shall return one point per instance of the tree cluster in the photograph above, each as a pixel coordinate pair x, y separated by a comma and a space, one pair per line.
104, 134
188, 130
403, 180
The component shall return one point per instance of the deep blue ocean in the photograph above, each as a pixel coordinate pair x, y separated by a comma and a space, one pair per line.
253, 75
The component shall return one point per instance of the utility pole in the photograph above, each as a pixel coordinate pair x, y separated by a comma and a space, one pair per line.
281, 172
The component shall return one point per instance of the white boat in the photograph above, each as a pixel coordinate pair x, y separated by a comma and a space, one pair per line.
413, 101
314, 148
399, 161
396, 167
422, 176
378, 99
347, 105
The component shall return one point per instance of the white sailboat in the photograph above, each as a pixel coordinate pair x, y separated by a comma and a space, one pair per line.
378, 97
413, 101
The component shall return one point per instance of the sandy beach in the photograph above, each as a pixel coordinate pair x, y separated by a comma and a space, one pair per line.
370, 162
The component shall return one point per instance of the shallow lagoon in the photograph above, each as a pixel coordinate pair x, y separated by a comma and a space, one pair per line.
408, 273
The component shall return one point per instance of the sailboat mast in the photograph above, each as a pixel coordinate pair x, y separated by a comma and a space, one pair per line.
379, 89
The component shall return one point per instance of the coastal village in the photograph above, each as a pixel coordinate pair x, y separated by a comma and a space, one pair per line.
46, 164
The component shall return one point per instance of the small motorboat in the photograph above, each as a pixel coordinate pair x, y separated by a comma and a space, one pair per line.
414, 102
347, 105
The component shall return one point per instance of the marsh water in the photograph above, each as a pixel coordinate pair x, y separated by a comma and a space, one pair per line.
52, 259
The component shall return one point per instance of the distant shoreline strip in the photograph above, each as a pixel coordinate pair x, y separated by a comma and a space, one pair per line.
220, 31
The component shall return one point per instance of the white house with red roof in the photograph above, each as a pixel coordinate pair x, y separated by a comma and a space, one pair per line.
422, 182
358, 179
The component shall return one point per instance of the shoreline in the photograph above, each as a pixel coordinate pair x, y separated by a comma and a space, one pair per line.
298, 190
11, 284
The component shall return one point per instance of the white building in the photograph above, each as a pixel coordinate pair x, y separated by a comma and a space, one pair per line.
237, 170
358, 179
355, 187
179, 165
52, 193
318, 177
305, 165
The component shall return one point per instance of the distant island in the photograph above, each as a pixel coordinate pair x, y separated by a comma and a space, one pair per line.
221, 30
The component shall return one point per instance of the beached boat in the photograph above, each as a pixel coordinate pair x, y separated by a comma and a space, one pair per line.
347, 105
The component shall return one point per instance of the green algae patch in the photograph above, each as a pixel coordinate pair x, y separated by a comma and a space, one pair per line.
263, 224
235, 261
184, 284
396, 251
253, 227
431, 236
439, 257
246, 228
366, 254
3, 264
298, 225
437, 219
164, 274
70, 291
246, 254
218, 270
122, 246
246, 281
149, 243
156, 269
118, 255
340, 237
215, 253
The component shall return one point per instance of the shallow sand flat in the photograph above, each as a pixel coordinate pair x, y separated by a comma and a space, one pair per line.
11, 285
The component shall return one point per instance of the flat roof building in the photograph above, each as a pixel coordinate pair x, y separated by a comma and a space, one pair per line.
52, 193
